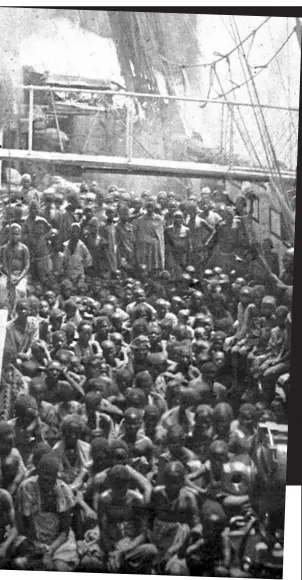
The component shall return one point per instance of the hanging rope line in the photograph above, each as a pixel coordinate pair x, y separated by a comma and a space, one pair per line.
209, 64
283, 85
254, 149
261, 68
278, 187
270, 150
247, 145
243, 61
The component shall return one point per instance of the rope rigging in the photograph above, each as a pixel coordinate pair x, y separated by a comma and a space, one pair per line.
270, 151
275, 166
237, 124
243, 60
210, 64
254, 149
283, 85
261, 68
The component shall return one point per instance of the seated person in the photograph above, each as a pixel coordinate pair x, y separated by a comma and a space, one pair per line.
183, 368
246, 424
144, 381
208, 553
99, 423
72, 452
176, 451
180, 413
209, 391
211, 474
173, 513
222, 421
27, 426
122, 523
47, 411
203, 432
8, 530
12, 468
276, 360
67, 404
45, 503
140, 447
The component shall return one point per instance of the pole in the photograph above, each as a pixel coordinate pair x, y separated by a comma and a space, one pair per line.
11, 294
31, 119
91, 128
231, 134
57, 122
129, 129
154, 96
222, 127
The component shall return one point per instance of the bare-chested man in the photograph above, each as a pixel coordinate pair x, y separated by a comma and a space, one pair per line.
15, 265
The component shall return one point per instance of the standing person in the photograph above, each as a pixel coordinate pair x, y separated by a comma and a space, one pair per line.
76, 256
69, 216
108, 235
28, 193
177, 246
288, 267
125, 239
136, 209
15, 265
224, 243
149, 239
56, 256
200, 232
210, 215
35, 236
169, 212
270, 256
48, 210
20, 332
13, 214
93, 243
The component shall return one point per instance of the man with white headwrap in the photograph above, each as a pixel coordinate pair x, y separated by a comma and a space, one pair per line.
28, 193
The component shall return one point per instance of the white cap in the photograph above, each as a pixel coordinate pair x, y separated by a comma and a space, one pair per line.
246, 186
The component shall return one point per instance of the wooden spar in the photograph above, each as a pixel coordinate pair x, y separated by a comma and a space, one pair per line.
107, 164
57, 122
31, 119
129, 129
